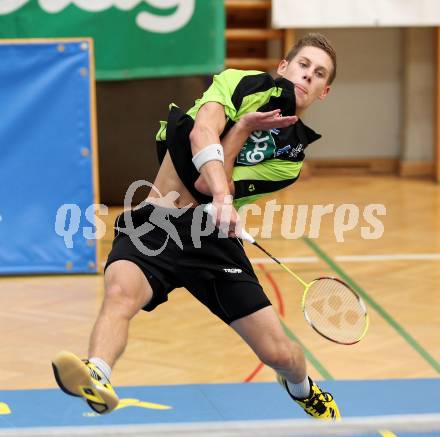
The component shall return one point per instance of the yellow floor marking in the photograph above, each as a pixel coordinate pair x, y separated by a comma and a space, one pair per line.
123, 403
4, 408
385, 433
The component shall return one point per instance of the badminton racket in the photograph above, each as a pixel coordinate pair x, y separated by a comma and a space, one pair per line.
330, 306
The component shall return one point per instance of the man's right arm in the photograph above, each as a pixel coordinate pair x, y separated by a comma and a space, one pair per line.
209, 124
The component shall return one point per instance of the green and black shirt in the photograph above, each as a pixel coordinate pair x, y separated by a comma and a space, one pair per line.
269, 160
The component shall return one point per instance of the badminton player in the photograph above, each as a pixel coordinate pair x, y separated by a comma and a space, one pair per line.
243, 138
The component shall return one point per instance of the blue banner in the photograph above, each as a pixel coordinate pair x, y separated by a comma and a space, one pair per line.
46, 165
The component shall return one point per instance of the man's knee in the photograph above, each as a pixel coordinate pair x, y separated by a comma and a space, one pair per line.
126, 288
123, 300
115, 292
280, 355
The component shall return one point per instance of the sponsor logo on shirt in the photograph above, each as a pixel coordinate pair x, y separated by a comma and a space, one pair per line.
291, 152
258, 147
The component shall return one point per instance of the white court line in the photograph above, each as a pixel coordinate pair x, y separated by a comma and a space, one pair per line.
355, 258
258, 428
392, 257
295, 260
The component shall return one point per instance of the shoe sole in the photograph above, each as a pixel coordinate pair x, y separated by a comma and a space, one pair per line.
73, 378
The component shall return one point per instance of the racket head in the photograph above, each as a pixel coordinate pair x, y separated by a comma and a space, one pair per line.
335, 311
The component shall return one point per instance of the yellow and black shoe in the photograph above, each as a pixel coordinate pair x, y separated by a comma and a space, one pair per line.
319, 404
83, 379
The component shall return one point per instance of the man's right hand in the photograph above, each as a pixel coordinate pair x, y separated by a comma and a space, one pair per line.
225, 216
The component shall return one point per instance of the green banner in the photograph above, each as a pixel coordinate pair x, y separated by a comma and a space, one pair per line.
133, 38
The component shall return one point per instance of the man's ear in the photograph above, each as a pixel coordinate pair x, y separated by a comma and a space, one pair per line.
324, 93
282, 67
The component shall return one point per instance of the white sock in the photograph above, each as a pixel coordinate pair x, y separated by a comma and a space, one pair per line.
102, 366
300, 390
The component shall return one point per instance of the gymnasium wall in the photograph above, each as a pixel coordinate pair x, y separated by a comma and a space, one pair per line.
419, 94
128, 119
381, 104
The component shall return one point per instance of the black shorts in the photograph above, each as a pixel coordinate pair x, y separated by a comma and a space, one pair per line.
168, 250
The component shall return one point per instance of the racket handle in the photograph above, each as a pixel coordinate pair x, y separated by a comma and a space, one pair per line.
209, 209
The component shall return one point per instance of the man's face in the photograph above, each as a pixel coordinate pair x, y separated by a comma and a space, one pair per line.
309, 70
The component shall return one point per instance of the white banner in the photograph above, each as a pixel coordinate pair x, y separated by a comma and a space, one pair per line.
355, 13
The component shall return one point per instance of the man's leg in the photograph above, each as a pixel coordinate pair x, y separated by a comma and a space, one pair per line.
126, 292
263, 332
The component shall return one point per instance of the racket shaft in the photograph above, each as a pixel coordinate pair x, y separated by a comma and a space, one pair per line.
281, 264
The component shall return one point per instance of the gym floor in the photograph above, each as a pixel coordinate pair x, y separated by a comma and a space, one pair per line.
180, 356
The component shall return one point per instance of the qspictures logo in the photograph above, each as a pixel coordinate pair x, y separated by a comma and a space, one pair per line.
295, 221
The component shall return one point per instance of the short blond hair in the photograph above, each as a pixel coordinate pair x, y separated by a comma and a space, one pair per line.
315, 40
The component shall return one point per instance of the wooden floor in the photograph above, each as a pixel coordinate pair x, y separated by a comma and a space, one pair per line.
183, 343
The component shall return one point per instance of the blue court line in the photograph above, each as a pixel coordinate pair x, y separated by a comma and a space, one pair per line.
216, 402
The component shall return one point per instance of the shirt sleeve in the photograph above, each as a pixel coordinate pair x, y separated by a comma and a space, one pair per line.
222, 90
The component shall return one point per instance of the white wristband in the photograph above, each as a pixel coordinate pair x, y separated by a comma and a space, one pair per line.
213, 152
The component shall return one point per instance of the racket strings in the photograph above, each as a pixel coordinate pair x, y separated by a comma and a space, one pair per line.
335, 311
